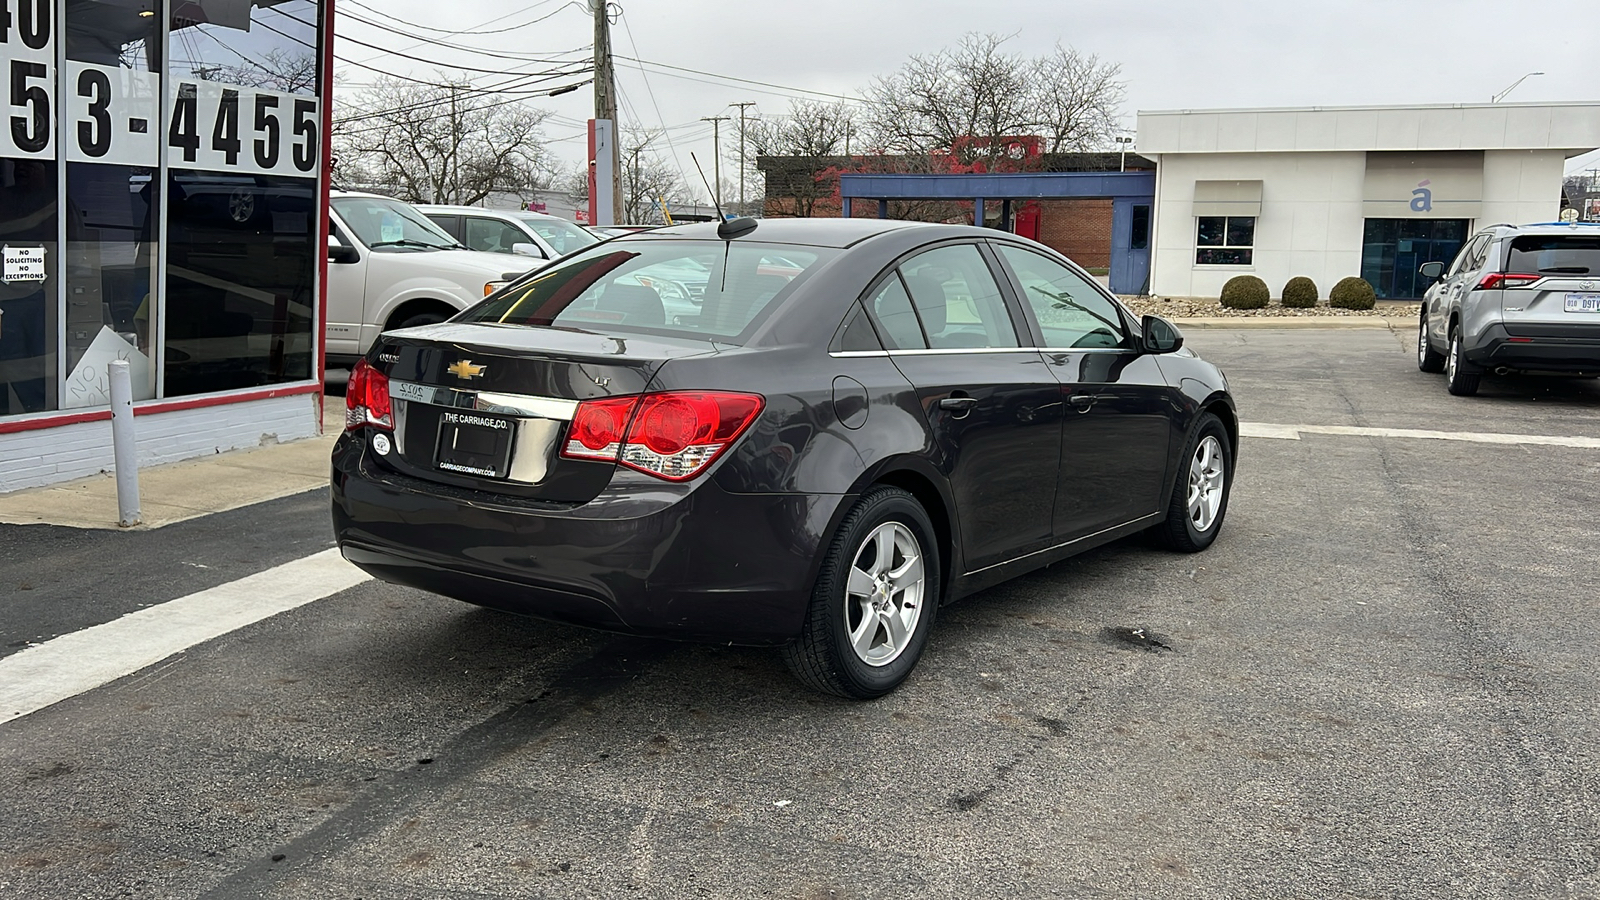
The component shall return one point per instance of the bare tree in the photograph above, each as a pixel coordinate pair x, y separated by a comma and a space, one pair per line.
277, 70
792, 151
447, 144
968, 99
647, 180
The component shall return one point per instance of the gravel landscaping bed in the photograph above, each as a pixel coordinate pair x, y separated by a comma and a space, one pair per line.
1177, 308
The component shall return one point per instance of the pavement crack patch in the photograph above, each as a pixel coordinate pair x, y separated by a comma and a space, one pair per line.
391, 798
1138, 637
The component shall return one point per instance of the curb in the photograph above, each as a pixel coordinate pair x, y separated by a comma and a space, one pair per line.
1289, 322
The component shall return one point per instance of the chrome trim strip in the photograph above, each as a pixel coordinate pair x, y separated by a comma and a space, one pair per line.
1150, 518
845, 354
519, 405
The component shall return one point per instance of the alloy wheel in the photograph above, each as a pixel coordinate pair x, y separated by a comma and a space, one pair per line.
1207, 477
884, 594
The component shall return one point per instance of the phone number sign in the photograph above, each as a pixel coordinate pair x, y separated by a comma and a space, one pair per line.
115, 115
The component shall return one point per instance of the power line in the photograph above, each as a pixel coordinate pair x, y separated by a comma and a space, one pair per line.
529, 8
478, 51
745, 80
665, 131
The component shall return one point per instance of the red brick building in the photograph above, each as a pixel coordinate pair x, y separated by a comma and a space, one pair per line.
1078, 228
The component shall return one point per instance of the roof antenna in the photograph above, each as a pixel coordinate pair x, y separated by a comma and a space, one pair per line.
726, 228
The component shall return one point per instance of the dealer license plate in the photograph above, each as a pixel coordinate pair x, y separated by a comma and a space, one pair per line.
472, 443
1583, 303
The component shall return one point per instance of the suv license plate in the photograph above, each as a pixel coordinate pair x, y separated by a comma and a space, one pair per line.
475, 444
1583, 303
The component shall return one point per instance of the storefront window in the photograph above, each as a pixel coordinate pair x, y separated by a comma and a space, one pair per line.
29, 298
158, 197
1393, 249
110, 105
243, 146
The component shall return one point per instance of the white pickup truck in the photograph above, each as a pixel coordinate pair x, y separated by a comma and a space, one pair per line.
390, 267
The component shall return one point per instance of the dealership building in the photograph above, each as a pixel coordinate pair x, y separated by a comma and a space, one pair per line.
1329, 192
162, 176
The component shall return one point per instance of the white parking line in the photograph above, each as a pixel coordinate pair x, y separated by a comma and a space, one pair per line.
1293, 432
73, 663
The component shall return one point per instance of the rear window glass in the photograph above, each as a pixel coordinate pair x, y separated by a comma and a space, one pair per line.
692, 288
1555, 254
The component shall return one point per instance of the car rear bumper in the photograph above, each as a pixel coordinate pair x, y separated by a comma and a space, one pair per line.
647, 557
1496, 349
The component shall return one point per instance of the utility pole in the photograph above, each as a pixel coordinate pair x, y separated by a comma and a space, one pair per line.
742, 108
716, 157
605, 101
847, 137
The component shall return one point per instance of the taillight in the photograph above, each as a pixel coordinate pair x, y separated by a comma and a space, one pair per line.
673, 435
366, 398
1495, 280
598, 428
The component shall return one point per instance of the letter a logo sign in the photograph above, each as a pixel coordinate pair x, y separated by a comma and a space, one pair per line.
1422, 198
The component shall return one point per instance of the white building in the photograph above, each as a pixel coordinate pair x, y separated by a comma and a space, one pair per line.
1329, 192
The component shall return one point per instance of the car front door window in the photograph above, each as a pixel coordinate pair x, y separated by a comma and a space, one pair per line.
492, 235
1071, 312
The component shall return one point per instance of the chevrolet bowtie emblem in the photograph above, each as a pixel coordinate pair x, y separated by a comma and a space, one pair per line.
465, 369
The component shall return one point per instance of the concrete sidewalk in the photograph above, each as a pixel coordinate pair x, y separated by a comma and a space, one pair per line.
186, 490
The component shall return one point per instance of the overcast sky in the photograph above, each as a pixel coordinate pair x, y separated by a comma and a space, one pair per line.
1175, 54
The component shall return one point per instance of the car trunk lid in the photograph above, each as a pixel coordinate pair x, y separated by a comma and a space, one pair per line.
488, 406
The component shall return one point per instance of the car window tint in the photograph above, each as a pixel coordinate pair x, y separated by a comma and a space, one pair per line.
451, 224
492, 235
897, 321
858, 336
957, 299
1555, 254
704, 288
1071, 311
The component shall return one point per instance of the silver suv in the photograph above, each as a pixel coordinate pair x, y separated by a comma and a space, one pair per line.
1517, 298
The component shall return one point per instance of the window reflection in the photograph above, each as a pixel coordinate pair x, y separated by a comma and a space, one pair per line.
28, 305
112, 33
240, 278
110, 310
254, 43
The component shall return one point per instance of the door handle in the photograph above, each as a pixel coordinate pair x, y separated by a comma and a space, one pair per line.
958, 404
1083, 401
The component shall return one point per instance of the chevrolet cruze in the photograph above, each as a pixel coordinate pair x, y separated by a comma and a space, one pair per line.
859, 422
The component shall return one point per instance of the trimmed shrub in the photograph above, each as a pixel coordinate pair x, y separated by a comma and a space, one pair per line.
1300, 293
1352, 293
1245, 292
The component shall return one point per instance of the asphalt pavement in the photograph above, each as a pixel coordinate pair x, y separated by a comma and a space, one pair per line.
1379, 682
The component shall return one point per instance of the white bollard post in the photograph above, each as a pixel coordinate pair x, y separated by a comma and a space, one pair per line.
123, 445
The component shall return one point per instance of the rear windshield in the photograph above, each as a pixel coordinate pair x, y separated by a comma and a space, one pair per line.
564, 236
1555, 254
710, 289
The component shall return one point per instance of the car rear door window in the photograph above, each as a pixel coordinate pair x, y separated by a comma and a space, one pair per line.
1071, 312
897, 321
492, 235
957, 299
1555, 254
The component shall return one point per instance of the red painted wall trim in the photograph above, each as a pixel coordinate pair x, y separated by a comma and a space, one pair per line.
152, 407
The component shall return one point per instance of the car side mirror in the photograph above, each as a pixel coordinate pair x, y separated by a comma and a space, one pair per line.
1431, 270
1161, 336
522, 249
340, 252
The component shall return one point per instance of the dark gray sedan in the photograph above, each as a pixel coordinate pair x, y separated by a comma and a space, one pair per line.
859, 421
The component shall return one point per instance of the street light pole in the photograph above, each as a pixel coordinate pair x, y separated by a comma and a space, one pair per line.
1502, 95
1122, 144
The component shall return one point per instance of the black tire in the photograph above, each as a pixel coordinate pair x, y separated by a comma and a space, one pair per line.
1180, 532
1428, 359
1461, 378
416, 320
822, 656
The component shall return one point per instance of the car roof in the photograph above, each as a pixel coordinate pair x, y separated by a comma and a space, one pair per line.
829, 232
1545, 228
483, 211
